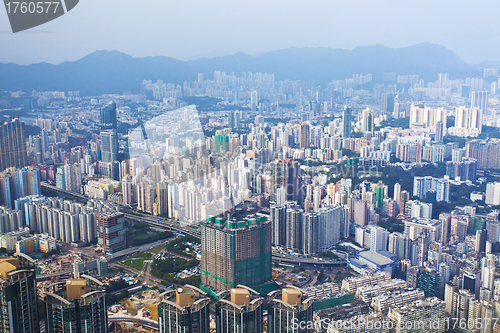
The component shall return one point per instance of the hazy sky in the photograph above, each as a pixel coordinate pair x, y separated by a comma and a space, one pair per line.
188, 29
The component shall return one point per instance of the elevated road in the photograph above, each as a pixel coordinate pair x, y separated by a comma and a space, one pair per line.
131, 319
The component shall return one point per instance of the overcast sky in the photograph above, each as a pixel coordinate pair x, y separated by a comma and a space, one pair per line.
189, 29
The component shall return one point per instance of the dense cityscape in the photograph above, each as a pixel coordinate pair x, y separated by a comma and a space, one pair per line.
240, 203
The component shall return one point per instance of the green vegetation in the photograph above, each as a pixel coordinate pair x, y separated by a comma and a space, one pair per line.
139, 233
165, 269
404, 123
48, 192
157, 249
31, 130
392, 224
328, 255
461, 141
489, 132
114, 286
179, 246
137, 260
349, 153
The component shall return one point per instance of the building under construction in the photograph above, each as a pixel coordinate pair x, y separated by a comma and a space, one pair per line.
185, 310
234, 253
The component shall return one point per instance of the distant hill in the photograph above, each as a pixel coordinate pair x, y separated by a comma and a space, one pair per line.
104, 72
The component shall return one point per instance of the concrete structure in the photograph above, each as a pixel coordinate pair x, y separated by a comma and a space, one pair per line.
234, 253
18, 295
367, 262
290, 308
111, 231
76, 305
240, 310
186, 309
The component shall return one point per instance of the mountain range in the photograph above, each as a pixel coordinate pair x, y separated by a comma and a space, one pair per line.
107, 72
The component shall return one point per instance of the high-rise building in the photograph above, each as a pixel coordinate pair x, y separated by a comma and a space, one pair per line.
346, 122
291, 308
330, 226
378, 236
439, 131
486, 152
230, 119
285, 173
108, 116
310, 233
234, 253
423, 185
76, 305
479, 99
388, 103
294, 230
12, 145
109, 146
254, 100
240, 310
397, 193
367, 125
361, 215
304, 135
428, 281
380, 191
423, 117
460, 304
109, 138
186, 310
493, 194
18, 295
278, 224
111, 231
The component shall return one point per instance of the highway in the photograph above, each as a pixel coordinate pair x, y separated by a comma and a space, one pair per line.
171, 225
132, 319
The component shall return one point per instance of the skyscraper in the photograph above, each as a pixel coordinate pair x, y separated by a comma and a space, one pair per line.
12, 145
76, 305
379, 238
278, 224
479, 99
289, 309
397, 193
234, 253
310, 233
240, 310
109, 146
294, 230
186, 310
285, 174
304, 135
367, 121
388, 103
18, 296
346, 122
109, 138
254, 100
108, 116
